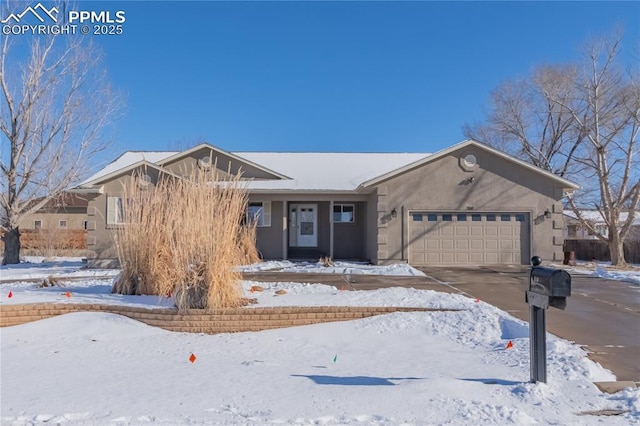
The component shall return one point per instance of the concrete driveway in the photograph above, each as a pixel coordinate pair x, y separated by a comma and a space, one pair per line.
602, 316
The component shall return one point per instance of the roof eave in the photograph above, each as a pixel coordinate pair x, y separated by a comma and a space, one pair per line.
203, 145
567, 184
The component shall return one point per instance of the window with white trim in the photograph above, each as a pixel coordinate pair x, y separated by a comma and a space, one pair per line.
259, 212
37, 224
115, 211
344, 213
62, 224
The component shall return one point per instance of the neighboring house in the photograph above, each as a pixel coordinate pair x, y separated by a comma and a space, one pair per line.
469, 204
67, 211
575, 230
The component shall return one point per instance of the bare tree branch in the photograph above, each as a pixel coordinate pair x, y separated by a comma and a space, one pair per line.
55, 101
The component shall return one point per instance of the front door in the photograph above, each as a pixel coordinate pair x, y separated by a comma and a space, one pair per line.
303, 221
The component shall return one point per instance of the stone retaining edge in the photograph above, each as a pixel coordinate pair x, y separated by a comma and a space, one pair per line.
209, 322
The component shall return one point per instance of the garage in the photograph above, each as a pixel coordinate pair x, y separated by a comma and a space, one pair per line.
471, 238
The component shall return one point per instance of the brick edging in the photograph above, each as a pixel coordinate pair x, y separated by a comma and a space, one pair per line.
201, 321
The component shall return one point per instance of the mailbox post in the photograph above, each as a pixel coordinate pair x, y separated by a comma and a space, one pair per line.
547, 287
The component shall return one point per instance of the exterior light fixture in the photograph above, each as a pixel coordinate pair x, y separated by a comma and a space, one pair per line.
547, 214
471, 179
394, 213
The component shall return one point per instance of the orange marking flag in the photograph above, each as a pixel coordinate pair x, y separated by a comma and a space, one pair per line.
68, 295
509, 345
192, 358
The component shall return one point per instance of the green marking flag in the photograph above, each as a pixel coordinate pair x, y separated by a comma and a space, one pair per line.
335, 358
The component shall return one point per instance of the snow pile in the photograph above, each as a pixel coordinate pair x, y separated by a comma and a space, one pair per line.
632, 276
37, 267
338, 267
403, 368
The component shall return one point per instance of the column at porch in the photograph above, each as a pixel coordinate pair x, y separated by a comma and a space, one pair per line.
285, 230
331, 229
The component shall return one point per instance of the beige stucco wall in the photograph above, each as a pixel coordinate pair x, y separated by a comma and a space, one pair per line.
273, 240
499, 186
75, 219
227, 166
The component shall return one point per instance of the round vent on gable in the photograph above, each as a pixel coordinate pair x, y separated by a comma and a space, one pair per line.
144, 181
470, 160
205, 162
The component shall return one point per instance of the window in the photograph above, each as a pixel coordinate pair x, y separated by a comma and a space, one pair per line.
447, 217
476, 217
344, 213
432, 217
462, 217
37, 224
505, 217
115, 211
259, 212
417, 217
519, 218
491, 217
62, 224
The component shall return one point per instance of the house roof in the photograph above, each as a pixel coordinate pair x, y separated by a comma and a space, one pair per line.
64, 200
325, 171
567, 184
126, 160
186, 153
312, 171
595, 217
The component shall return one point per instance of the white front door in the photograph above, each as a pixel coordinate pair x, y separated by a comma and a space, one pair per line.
304, 225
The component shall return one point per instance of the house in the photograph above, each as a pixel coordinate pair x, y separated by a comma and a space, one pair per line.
468, 204
574, 230
67, 211
58, 228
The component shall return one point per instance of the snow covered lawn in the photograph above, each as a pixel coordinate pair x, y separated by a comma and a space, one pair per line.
402, 368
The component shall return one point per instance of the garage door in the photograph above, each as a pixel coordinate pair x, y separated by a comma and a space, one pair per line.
468, 238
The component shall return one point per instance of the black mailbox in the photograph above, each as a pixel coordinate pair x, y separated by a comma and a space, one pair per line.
547, 287
550, 282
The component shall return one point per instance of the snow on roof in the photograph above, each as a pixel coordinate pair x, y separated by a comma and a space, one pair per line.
311, 171
318, 171
127, 159
594, 216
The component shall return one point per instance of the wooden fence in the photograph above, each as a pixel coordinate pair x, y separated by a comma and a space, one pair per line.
597, 250
52, 242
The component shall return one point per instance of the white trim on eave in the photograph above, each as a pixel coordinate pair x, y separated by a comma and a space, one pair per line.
124, 171
567, 184
183, 154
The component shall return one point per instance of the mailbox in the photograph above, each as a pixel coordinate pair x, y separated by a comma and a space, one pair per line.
547, 287
550, 282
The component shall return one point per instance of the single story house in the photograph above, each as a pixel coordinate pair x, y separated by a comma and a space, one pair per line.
575, 230
469, 204
68, 211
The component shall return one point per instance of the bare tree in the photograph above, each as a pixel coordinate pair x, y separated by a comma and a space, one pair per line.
55, 102
529, 119
582, 122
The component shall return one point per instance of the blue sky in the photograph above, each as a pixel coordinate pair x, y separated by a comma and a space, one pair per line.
332, 76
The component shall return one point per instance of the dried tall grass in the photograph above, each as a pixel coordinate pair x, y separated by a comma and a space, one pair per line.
182, 238
247, 251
